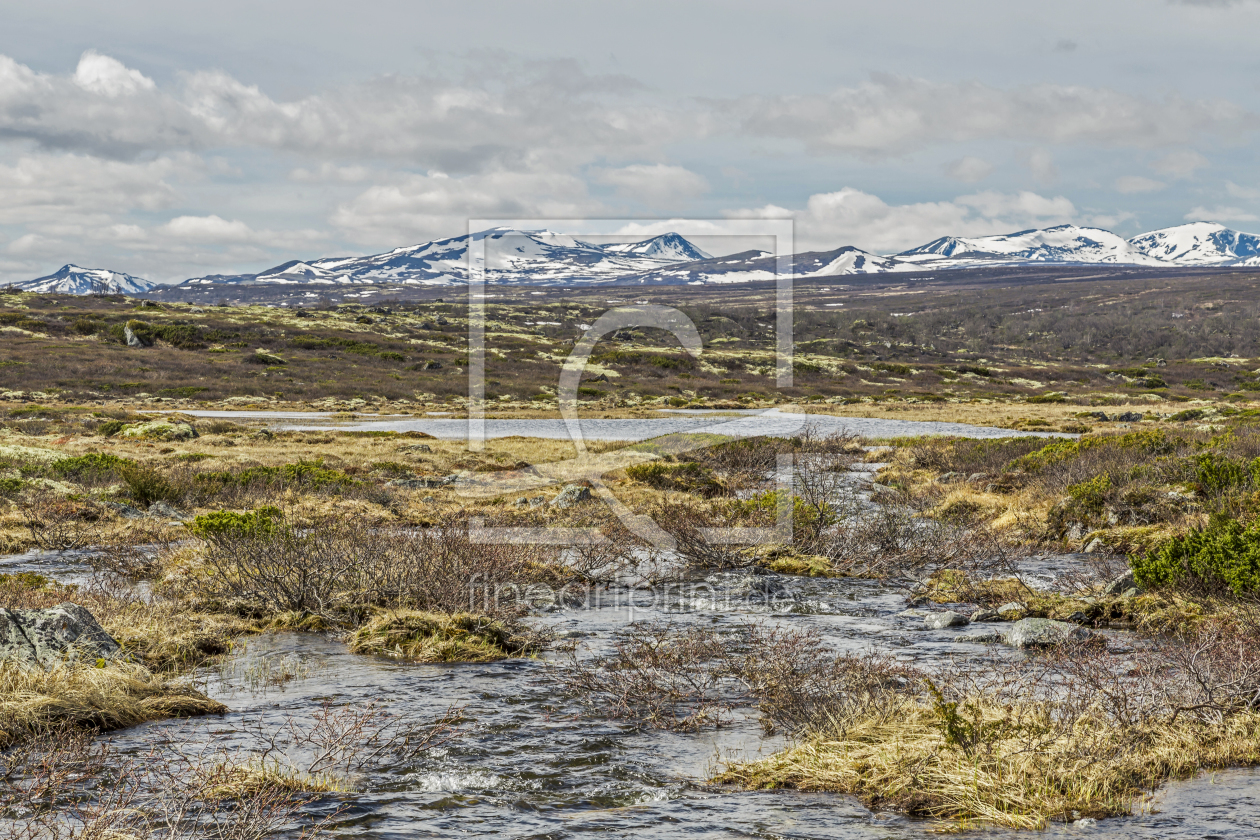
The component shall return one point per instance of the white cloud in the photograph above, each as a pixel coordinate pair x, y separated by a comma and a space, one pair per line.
207, 229
1180, 164
331, 172
657, 185
853, 217
1133, 184
1221, 214
894, 115
109, 76
1041, 164
969, 170
418, 207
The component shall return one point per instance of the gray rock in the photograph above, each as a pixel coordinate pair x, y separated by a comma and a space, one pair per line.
522, 502
422, 483
570, 495
134, 340
537, 501
1095, 545
984, 637
1130, 417
417, 447
64, 633
765, 588
985, 615
1012, 608
941, 620
1120, 584
1130, 593
910, 614
125, 511
1043, 632
165, 511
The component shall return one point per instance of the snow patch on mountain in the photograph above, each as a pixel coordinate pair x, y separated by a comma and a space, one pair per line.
1060, 244
75, 280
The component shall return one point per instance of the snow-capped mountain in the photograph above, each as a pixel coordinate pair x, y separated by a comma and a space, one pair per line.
1200, 243
751, 266
73, 280
1060, 244
536, 257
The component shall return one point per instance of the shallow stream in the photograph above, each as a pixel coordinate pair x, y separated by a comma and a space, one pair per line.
535, 766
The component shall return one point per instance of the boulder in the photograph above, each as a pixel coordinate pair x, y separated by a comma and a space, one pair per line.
1043, 632
124, 510
1130, 417
985, 615
1121, 584
136, 339
941, 620
64, 633
160, 430
570, 495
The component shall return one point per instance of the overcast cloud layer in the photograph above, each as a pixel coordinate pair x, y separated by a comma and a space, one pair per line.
224, 140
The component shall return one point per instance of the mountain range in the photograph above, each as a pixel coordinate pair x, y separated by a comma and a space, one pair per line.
547, 258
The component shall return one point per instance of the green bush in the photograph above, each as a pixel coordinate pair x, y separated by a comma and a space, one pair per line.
1226, 554
226, 523
311, 474
94, 465
689, 477
110, 428
146, 484
1214, 474
1090, 496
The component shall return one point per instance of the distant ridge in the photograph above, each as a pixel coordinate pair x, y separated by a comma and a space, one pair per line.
548, 258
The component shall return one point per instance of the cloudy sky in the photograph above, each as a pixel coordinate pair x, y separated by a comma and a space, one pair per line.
171, 140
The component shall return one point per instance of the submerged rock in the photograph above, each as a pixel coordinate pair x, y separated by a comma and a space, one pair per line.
1043, 632
983, 637
941, 620
66, 632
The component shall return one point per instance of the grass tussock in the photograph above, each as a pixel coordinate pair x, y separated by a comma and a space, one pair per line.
435, 637
114, 695
900, 758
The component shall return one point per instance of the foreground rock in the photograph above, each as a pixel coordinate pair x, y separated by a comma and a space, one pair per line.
1043, 632
64, 633
571, 495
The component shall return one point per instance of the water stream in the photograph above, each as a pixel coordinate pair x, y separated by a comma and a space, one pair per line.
535, 766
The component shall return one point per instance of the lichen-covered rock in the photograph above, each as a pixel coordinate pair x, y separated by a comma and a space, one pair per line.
160, 430
66, 632
1043, 632
571, 495
1121, 584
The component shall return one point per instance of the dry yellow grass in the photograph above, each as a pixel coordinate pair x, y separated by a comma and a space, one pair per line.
432, 637
111, 696
898, 759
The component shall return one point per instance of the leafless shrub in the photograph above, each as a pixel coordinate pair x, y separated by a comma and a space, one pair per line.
693, 525
57, 523
660, 676
65, 784
337, 569
670, 677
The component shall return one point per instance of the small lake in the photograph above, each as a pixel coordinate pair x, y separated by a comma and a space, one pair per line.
734, 423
